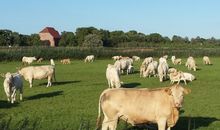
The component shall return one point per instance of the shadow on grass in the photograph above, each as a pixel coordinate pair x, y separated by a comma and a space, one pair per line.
184, 123
60, 83
45, 95
130, 85
6, 104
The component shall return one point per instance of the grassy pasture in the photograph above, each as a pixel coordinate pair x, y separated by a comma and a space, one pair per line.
72, 102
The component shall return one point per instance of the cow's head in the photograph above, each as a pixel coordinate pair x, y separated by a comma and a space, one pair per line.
177, 92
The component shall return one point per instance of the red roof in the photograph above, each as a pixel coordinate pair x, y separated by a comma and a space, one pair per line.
52, 31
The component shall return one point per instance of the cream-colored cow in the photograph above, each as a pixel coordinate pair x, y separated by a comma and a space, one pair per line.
206, 60
38, 72
141, 106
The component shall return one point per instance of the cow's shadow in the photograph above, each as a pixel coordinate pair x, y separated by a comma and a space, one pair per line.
6, 104
184, 123
130, 85
45, 95
57, 83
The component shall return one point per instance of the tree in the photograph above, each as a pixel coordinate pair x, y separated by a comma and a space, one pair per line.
68, 39
177, 39
81, 33
34, 40
117, 37
154, 38
92, 40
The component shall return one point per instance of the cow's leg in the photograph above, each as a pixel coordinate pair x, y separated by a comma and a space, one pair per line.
21, 94
13, 95
49, 81
169, 128
161, 124
113, 125
185, 82
105, 123
30, 82
109, 83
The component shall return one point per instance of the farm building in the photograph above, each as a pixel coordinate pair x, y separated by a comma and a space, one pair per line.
51, 35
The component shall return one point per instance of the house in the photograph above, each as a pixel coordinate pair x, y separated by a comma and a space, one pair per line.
51, 35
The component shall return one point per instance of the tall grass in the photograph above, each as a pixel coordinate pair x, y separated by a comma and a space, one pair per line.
15, 54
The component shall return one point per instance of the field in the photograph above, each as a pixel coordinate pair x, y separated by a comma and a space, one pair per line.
72, 102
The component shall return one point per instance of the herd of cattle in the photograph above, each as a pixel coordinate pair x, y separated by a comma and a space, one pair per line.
135, 106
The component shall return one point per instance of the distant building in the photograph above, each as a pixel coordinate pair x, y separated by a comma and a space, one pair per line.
51, 35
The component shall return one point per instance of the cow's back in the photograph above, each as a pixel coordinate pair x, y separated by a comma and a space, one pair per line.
136, 105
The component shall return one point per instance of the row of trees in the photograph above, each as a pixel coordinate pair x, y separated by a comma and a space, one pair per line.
93, 37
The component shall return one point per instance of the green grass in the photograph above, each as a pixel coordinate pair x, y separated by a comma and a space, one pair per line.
72, 102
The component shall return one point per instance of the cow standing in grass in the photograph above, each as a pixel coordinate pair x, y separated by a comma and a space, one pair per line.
39, 72
13, 83
141, 106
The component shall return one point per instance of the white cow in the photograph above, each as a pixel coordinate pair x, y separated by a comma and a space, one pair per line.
112, 75
176, 61
13, 83
151, 69
191, 64
116, 57
38, 72
162, 70
123, 64
89, 58
147, 61
28, 60
206, 60
136, 58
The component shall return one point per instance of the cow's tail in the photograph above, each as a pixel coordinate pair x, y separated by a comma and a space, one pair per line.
99, 119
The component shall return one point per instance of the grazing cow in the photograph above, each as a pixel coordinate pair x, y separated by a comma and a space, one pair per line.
123, 64
130, 69
39, 72
142, 69
65, 61
177, 77
176, 61
113, 78
147, 61
151, 69
191, 63
12, 83
89, 58
206, 60
28, 60
141, 106
136, 58
162, 60
116, 57
162, 70
39, 60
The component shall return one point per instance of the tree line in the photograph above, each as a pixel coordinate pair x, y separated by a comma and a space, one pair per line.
93, 37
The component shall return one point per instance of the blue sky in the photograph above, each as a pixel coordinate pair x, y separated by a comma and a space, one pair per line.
168, 17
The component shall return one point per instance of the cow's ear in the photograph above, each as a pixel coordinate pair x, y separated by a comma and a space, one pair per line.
187, 90
168, 91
